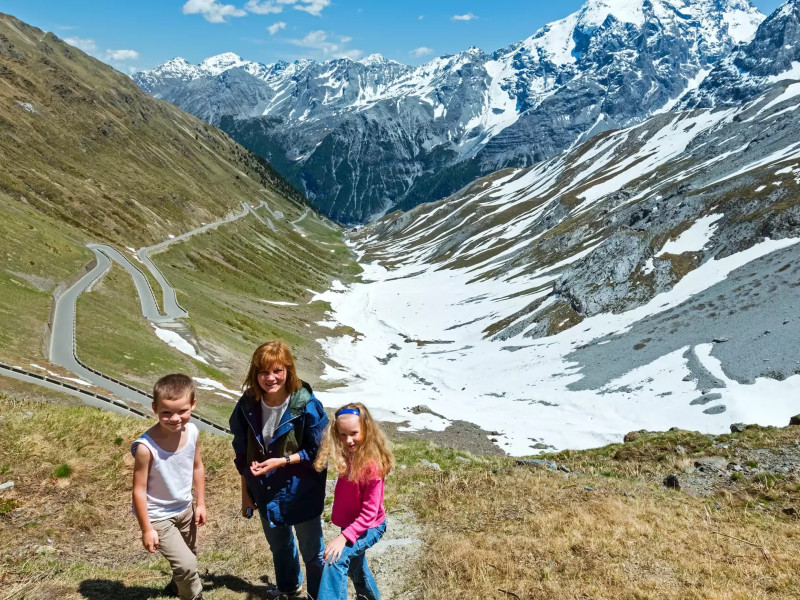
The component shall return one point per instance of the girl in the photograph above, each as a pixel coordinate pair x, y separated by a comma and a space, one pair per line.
277, 426
360, 454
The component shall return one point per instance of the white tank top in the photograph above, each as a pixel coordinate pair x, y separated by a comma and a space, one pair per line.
169, 482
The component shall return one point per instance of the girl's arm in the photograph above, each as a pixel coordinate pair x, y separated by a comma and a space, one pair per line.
370, 508
199, 484
141, 468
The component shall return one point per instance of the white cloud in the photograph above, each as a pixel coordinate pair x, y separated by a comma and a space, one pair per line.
266, 7
312, 7
212, 11
121, 55
86, 45
467, 17
421, 51
274, 7
326, 49
276, 27
421, 17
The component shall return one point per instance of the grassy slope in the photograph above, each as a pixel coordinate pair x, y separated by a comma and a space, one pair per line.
99, 160
492, 530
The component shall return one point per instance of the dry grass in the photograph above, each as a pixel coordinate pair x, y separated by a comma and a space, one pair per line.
492, 530
536, 534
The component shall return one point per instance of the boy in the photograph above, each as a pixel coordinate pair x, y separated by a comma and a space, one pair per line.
167, 466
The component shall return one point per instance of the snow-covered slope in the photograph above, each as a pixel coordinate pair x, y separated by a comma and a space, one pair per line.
647, 278
362, 137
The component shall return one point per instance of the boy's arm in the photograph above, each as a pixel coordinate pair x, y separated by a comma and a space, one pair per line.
199, 484
141, 469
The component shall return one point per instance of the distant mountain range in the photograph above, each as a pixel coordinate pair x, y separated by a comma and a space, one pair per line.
361, 138
645, 278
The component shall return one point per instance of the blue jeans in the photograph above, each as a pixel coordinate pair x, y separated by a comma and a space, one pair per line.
352, 562
288, 576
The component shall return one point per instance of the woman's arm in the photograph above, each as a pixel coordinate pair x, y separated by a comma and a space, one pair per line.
313, 427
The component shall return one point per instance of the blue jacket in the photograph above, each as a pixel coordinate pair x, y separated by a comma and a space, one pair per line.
294, 493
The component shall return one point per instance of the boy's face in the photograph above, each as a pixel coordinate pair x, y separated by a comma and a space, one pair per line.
174, 413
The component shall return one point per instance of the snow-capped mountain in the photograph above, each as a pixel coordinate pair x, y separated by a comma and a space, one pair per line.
647, 278
773, 55
362, 137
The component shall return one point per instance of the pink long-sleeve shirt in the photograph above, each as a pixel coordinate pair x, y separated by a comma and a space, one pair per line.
358, 506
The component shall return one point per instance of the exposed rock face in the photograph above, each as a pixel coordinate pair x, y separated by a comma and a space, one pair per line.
772, 55
362, 137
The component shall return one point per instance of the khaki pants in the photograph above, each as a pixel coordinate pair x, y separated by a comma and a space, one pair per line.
177, 540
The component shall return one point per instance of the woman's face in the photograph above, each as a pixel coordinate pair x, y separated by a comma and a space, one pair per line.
272, 380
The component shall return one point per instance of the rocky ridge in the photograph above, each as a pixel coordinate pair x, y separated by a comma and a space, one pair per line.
362, 137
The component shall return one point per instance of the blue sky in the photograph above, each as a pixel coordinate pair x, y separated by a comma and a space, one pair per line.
144, 33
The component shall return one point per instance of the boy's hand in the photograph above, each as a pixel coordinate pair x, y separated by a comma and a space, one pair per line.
150, 540
334, 549
200, 515
269, 465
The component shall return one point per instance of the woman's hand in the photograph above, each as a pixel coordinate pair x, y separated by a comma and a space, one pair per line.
334, 549
269, 465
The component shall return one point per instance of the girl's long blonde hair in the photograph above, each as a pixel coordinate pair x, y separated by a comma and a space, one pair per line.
373, 457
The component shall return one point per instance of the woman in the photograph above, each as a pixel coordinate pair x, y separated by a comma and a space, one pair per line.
277, 426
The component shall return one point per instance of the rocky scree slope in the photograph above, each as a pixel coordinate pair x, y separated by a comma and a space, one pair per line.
362, 137
619, 220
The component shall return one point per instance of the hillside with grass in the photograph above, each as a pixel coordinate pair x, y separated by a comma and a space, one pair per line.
89, 158
597, 524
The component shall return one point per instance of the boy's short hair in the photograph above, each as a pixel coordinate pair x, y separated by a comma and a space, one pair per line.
172, 386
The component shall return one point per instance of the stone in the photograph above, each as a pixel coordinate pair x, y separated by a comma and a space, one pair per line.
738, 427
795, 420
790, 510
45, 550
564, 468
431, 465
671, 481
540, 446
8, 485
463, 459
712, 463
630, 436
716, 410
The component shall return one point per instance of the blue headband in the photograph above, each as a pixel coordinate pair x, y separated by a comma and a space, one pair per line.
348, 411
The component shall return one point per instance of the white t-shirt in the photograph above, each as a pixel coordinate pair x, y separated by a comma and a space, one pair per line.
270, 417
169, 482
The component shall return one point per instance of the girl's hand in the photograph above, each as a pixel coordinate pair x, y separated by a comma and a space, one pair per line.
269, 465
334, 549
200, 515
150, 540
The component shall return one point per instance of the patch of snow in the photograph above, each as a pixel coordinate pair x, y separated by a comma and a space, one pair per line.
693, 239
214, 384
174, 339
73, 379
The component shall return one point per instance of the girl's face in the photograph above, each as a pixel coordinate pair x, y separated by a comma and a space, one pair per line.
272, 380
349, 428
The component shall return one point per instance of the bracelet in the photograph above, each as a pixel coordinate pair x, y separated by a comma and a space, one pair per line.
288, 459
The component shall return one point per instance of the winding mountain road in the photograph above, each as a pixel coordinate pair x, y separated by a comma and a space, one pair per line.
63, 340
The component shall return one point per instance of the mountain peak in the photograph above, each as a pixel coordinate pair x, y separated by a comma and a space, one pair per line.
222, 62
